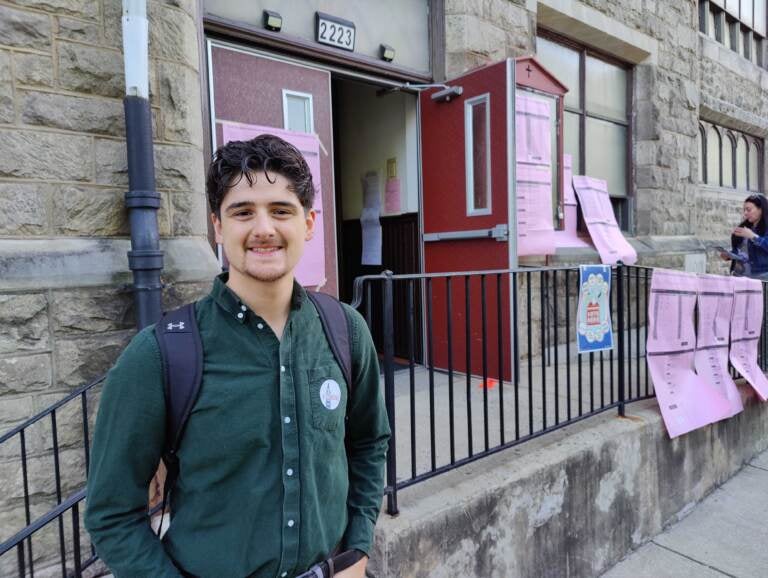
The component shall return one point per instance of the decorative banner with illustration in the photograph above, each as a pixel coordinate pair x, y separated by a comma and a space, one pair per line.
687, 401
594, 331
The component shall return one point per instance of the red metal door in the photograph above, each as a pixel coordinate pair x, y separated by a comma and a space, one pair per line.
466, 192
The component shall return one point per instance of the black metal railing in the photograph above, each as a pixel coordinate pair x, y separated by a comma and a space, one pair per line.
490, 363
500, 364
60, 525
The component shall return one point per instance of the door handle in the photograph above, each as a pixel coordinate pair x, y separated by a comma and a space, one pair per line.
499, 232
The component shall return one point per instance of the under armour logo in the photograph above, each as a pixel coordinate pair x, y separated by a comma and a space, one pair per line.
179, 325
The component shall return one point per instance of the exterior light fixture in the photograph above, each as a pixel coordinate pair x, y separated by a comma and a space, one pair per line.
387, 53
272, 21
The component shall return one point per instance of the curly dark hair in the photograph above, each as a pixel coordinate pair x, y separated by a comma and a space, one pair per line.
265, 154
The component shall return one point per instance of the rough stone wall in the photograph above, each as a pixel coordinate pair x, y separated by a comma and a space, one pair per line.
63, 173
688, 77
479, 32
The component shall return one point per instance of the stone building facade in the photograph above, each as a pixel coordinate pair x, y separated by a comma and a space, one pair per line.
65, 300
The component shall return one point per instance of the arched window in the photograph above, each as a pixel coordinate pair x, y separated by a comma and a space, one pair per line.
753, 162
729, 143
702, 153
741, 163
713, 156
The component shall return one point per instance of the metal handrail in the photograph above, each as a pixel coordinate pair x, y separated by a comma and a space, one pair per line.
46, 412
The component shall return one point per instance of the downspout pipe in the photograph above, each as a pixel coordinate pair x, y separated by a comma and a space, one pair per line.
145, 258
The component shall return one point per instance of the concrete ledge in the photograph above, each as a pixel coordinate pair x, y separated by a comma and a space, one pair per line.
60, 263
572, 503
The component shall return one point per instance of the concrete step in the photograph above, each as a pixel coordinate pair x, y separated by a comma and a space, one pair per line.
725, 535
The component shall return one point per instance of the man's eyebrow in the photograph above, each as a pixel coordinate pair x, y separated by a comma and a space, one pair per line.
285, 204
238, 205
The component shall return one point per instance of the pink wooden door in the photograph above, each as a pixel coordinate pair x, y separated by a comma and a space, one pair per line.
255, 94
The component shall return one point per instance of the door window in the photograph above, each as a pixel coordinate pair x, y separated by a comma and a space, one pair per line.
477, 142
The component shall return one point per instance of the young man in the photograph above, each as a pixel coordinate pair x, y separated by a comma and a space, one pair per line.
266, 486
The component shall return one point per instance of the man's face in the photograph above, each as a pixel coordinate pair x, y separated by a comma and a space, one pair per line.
263, 228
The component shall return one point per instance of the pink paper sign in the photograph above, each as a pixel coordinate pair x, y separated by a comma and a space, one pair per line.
535, 231
568, 236
687, 401
601, 222
535, 234
715, 302
311, 268
392, 196
532, 130
746, 322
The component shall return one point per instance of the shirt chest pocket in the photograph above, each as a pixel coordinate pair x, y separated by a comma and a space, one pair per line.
327, 393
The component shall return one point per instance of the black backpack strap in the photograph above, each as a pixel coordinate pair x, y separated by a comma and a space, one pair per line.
336, 327
182, 353
181, 350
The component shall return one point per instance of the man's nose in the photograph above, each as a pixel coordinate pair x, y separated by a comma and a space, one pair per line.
262, 226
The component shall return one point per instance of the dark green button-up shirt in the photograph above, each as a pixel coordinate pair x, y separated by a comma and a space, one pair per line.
265, 485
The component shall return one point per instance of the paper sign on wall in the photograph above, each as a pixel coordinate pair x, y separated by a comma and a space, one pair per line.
310, 270
746, 322
601, 221
687, 401
535, 232
369, 219
715, 302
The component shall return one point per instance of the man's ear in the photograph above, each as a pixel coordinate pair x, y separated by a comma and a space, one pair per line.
310, 216
217, 228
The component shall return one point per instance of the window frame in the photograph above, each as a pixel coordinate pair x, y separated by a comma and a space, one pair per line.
744, 38
309, 108
623, 206
469, 165
731, 137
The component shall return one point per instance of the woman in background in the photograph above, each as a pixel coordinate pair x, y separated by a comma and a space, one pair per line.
749, 242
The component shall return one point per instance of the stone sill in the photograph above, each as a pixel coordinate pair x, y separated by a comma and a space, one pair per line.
60, 263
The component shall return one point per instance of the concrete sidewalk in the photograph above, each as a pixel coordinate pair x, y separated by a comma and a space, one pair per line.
725, 535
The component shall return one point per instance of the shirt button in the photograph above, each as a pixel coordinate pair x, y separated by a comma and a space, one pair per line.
287, 420
290, 523
260, 325
239, 315
243, 307
289, 471
282, 369
284, 574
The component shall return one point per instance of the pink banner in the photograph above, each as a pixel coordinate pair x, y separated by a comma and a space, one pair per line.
687, 401
746, 322
535, 230
601, 222
311, 269
715, 302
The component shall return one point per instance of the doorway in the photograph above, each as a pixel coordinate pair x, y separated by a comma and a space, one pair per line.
377, 187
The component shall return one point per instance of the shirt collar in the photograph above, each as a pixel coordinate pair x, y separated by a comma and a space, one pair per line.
232, 304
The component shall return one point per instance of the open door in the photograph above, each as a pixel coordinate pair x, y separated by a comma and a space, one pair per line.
469, 208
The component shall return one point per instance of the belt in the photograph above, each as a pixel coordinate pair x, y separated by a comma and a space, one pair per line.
327, 568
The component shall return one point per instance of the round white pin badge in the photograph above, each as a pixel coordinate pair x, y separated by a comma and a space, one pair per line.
330, 394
